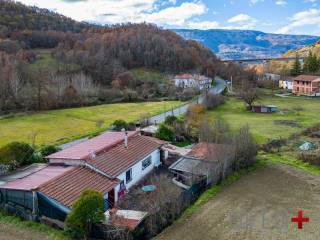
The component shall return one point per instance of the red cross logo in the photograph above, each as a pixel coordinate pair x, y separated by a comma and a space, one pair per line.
300, 219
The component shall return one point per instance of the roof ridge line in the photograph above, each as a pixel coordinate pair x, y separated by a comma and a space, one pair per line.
115, 144
94, 168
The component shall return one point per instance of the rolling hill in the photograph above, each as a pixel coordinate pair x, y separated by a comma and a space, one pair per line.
304, 51
239, 44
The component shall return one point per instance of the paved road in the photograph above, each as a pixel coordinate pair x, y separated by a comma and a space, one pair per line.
217, 89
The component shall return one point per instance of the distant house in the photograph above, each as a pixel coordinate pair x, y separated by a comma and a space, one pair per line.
306, 85
271, 76
192, 81
264, 109
110, 163
286, 83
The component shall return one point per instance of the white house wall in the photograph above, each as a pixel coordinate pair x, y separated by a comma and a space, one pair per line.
137, 172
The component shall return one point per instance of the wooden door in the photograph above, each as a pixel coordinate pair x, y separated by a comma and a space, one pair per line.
111, 199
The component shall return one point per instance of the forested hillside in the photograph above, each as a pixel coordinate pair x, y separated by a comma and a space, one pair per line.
107, 51
49, 61
16, 16
305, 50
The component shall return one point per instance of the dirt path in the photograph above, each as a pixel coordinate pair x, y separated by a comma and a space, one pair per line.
258, 206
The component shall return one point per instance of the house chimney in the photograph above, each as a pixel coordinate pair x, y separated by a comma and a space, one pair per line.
126, 140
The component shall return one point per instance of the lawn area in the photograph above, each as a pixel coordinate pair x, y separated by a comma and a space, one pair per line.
304, 112
60, 126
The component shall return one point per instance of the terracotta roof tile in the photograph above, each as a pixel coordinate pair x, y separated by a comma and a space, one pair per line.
83, 150
118, 159
184, 76
68, 187
307, 78
201, 150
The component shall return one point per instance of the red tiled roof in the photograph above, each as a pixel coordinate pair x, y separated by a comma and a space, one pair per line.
83, 150
118, 159
307, 78
183, 76
124, 222
34, 180
201, 150
67, 188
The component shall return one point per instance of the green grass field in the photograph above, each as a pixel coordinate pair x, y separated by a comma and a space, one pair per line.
59, 126
46, 62
305, 112
144, 74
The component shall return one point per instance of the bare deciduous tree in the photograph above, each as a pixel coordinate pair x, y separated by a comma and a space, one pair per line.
245, 148
249, 94
217, 131
212, 101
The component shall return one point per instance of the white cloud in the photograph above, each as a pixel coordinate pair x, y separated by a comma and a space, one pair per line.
173, 1
240, 18
204, 25
176, 16
97, 10
136, 11
281, 2
242, 21
255, 1
310, 17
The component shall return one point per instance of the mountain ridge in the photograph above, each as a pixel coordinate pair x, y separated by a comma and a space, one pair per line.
241, 44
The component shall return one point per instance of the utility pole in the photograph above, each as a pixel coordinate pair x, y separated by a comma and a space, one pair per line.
231, 84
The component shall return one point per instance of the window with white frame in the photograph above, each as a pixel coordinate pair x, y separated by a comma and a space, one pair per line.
146, 162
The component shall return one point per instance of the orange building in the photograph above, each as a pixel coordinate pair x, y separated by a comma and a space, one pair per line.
306, 85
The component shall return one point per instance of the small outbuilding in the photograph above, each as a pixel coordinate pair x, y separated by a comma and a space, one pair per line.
264, 109
202, 162
307, 146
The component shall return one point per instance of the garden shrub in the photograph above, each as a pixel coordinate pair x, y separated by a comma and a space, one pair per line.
119, 124
170, 120
16, 154
86, 211
165, 133
49, 149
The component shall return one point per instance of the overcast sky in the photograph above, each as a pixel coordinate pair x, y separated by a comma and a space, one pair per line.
276, 16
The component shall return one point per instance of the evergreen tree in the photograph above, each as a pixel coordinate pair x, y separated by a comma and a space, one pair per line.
86, 211
311, 63
296, 67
